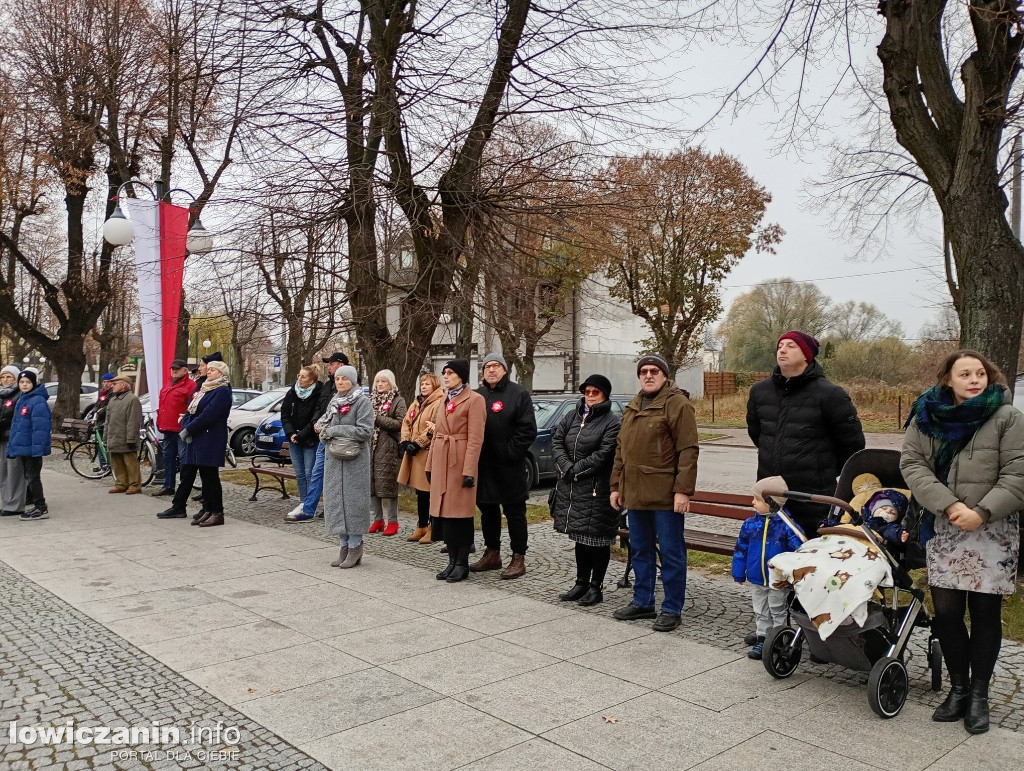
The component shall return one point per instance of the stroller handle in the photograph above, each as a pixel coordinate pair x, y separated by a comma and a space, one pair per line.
827, 500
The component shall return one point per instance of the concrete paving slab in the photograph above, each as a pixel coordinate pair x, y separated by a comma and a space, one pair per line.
546, 698
574, 635
299, 599
771, 751
324, 623
278, 671
504, 615
227, 644
536, 755
243, 567
655, 660
147, 603
649, 730
432, 596
864, 735
729, 684
264, 585
997, 750
310, 712
469, 665
170, 625
768, 700
393, 642
442, 735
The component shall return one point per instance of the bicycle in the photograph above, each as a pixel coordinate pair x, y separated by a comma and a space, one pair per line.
91, 459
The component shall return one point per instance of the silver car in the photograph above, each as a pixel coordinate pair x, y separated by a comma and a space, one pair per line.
87, 397
243, 420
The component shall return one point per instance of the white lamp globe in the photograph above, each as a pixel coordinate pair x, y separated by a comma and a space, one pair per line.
118, 230
207, 343
199, 240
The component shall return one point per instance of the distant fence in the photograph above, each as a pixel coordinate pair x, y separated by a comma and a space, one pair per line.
726, 383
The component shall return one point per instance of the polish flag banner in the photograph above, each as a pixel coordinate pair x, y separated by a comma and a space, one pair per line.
173, 233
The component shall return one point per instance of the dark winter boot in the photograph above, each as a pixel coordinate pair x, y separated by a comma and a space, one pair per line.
577, 591
461, 570
955, 705
451, 566
976, 719
593, 596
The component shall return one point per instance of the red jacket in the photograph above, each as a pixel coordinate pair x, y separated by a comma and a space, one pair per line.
174, 399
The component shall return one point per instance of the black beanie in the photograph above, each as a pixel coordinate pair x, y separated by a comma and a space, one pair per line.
27, 373
460, 367
599, 382
653, 359
215, 356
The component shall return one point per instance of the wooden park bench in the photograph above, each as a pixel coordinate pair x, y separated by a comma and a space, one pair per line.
724, 505
279, 471
72, 432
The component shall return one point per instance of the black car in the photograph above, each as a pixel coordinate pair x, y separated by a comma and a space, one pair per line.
549, 411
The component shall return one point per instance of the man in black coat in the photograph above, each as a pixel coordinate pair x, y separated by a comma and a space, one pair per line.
804, 426
504, 484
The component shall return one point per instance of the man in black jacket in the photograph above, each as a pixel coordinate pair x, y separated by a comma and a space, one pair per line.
804, 426
504, 484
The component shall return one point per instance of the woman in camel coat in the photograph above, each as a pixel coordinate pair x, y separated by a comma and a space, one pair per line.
452, 466
417, 431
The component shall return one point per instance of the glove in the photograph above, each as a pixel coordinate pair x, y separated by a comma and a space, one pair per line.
185, 436
403, 447
428, 477
468, 482
412, 448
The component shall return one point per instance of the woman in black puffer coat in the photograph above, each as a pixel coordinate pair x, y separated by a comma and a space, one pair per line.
583, 449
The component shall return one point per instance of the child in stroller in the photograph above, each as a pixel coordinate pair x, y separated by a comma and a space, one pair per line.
840, 614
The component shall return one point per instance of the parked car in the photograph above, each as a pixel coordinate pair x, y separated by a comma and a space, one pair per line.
270, 436
87, 397
549, 411
244, 419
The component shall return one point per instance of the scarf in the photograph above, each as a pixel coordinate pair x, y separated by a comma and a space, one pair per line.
303, 393
337, 402
455, 392
204, 389
380, 401
953, 425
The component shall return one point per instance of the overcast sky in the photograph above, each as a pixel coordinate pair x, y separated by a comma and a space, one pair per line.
813, 248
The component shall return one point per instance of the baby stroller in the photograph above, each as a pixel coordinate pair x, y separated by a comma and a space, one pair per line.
878, 646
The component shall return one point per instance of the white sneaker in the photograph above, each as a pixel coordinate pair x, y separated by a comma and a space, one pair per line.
294, 512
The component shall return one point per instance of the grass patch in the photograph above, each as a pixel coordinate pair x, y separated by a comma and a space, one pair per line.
704, 437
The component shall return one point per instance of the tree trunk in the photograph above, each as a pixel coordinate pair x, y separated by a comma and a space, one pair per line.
181, 341
69, 356
295, 345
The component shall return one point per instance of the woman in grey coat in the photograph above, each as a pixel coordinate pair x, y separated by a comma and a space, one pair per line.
346, 494
12, 475
963, 459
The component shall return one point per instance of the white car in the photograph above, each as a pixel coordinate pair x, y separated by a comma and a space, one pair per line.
243, 420
87, 397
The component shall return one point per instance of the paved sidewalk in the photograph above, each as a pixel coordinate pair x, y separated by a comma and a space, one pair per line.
738, 437
384, 667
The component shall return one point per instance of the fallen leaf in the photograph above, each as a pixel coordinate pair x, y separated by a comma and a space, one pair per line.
251, 690
275, 690
610, 719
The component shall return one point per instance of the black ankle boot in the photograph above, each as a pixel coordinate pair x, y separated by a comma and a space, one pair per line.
448, 570
461, 570
593, 596
577, 591
955, 705
976, 719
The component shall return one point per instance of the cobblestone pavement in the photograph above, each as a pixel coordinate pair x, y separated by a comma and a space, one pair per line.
717, 610
57, 664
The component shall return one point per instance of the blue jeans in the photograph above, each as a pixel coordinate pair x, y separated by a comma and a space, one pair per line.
169, 449
315, 486
352, 541
666, 531
304, 461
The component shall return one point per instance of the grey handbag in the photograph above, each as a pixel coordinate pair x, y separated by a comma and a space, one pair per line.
343, 448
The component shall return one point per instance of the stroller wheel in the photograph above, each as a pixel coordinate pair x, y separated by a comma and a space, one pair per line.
887, 687
935, 664
782, 650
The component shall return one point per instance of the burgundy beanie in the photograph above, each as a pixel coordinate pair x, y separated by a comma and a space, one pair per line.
804, 342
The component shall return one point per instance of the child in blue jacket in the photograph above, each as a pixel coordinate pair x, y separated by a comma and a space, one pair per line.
761, 538
30, 441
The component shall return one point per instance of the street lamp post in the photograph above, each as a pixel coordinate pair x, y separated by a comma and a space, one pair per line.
119, 231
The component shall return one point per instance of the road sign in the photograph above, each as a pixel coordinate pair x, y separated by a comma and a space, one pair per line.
277, 362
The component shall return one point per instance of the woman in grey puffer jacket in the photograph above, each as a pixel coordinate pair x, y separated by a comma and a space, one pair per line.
583, 449
963, 459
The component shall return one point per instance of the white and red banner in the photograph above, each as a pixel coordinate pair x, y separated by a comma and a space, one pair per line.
160, 232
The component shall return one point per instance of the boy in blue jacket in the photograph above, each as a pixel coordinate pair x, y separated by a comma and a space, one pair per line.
761, 538
30, 440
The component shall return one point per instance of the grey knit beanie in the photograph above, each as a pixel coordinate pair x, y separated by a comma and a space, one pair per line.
495, 357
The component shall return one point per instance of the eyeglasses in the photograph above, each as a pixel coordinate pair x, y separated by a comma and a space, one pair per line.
588, 391
649, 371
492, 366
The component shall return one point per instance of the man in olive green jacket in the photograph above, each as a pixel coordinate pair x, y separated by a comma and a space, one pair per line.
653, 477
123, 426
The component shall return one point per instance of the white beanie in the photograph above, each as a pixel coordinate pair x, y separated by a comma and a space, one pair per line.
12, 370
